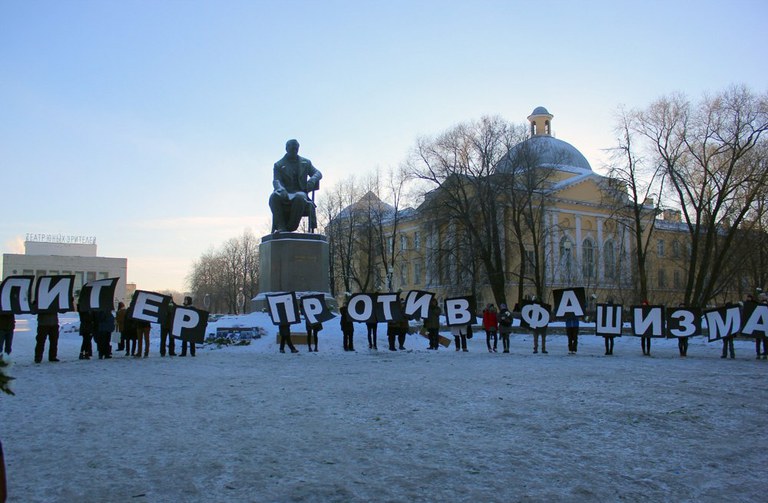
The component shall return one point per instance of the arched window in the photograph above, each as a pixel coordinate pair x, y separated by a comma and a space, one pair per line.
533, 128
547, 129
609, 260
566, 260
588, 259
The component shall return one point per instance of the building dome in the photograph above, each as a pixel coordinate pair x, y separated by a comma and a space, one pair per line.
543, 150
546, 152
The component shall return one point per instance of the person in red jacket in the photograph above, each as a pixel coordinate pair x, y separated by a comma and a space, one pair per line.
491, 327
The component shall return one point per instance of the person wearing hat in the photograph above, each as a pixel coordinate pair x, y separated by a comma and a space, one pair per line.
491, 327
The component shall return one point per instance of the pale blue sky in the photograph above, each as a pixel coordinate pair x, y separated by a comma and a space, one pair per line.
153, 125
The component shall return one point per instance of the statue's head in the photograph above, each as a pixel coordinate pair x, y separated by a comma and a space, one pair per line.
292, 147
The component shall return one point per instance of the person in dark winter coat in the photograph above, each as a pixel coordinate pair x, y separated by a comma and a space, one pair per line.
86, 332
47, 328
7, 326
166, 325
505, 326
120, 325
184, 343
432, 324
347, 329
104, 325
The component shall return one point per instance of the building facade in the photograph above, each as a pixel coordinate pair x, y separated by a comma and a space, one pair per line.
53, 255
584, 237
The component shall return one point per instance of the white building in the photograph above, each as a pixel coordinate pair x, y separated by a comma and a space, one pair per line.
75, 255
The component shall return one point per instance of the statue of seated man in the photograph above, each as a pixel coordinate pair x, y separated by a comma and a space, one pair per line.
294, 177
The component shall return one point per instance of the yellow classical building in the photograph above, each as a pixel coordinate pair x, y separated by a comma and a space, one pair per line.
585, 237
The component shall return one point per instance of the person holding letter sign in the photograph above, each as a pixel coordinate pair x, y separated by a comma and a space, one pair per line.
432, 324
47, 328
505, 326
187, 303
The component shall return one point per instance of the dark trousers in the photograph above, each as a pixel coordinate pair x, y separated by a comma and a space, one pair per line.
6, 340
192, 346
461, 341
348, 340
682, 345
52, 334
86, 348
372, 333
608, 344
401, 340
312, 336
165, 335
758, 340
490, 335
434, 338
728, 346
285, 338
645, 342
505, 341
573, 338
103, 345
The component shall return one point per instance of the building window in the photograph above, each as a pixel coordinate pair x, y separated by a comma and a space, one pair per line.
675, 249
404, 275
588, 259
566, 260
662, 278
417, 273
609, 260
660, 247
676, 278
416, 240
390, 244
403, 242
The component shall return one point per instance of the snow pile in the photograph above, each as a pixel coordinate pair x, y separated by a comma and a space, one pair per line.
246, 423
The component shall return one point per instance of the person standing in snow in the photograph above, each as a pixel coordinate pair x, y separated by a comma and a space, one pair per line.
432, 324
184, 343
460, 333
572, 331
372, 327
645, 342
47, 328
505, 326
491, 327
347, 328
312, 330
166, 326
7, 326
86, 332
285, 338
104, 324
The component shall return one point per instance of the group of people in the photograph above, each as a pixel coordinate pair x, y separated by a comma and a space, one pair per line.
98, 326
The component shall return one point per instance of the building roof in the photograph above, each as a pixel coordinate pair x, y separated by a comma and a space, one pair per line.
547, 152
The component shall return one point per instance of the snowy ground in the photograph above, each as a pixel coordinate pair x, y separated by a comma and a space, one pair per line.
250, 424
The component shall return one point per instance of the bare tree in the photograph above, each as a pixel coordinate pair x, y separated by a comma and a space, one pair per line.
460, 163
633, 190
716, 170
228, 277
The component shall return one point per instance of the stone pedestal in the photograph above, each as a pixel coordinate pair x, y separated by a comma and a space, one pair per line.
292, 262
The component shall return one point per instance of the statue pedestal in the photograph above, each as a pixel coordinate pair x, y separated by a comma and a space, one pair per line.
293, 262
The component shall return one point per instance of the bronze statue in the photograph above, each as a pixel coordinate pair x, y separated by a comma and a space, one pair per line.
294, 177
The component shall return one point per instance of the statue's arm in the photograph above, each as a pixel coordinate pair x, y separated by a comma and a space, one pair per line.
314, 176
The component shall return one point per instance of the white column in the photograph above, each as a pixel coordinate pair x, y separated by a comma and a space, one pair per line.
599, 251
579, 254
